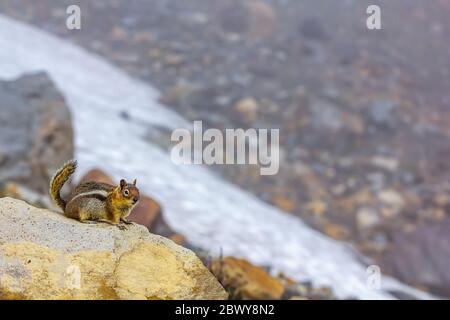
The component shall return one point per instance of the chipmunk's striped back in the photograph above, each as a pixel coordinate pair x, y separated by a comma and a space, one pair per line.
90, 190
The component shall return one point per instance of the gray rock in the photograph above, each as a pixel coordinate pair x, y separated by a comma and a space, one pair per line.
325, 115
312, 28
35, 130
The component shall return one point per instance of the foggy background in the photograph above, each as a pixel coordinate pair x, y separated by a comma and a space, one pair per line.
363, 114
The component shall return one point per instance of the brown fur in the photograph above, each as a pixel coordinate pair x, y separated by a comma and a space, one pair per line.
59, 179
94, 201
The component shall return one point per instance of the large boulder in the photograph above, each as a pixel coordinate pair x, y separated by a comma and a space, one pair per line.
36, 133
44, 255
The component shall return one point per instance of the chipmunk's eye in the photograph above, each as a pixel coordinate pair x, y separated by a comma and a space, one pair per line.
126, 193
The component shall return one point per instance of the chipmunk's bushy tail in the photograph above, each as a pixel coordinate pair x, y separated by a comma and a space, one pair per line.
59, 179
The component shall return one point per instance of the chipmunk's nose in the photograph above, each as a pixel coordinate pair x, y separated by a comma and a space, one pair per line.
135, 199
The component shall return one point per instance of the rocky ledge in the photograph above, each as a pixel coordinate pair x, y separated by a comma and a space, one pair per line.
44, 255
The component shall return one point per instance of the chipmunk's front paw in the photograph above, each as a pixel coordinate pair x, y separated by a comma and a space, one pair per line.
126, 221
122, 227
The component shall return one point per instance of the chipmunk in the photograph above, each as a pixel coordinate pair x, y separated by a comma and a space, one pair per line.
94, 201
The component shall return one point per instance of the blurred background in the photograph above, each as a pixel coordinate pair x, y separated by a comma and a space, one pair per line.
363, 116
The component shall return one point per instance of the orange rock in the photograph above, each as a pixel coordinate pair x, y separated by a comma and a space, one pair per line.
97, 175
10, 189
363, 197
178, 238
246, 280
336, 232
285, 280
441, 199
146, 212
298, 298
317, 207
283, 203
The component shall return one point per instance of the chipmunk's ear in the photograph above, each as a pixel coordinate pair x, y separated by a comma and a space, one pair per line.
134, 182
122, 183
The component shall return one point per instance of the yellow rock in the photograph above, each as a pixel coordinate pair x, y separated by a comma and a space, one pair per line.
44, 255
